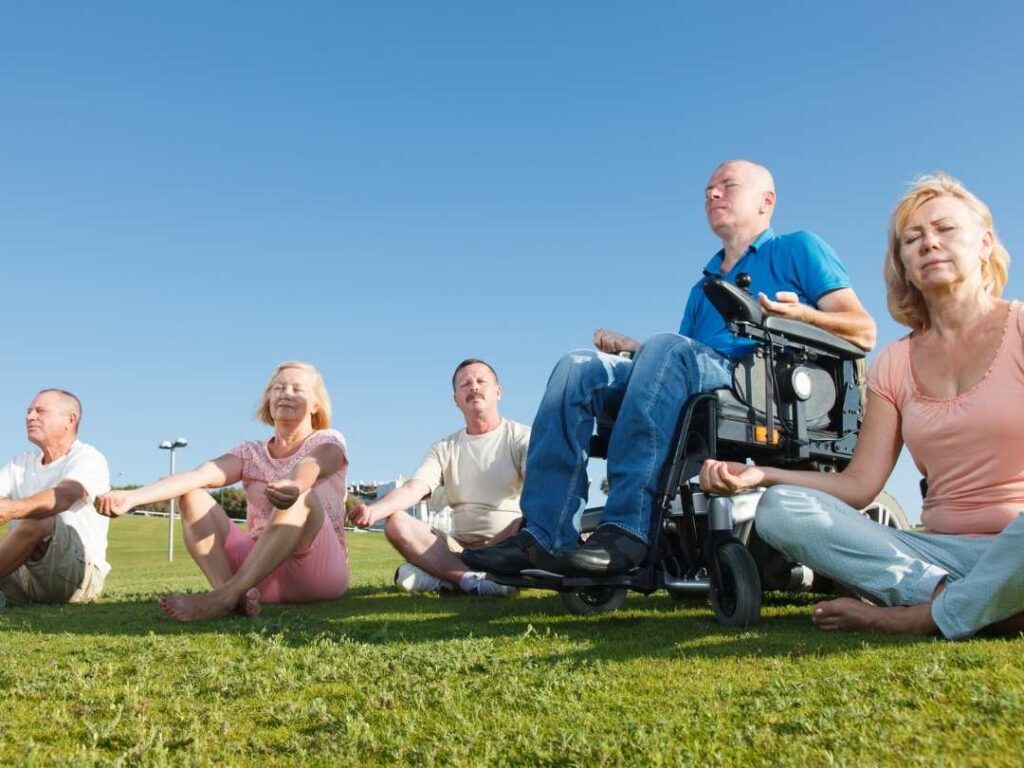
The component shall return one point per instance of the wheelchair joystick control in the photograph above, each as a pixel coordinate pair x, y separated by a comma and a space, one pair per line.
743, 280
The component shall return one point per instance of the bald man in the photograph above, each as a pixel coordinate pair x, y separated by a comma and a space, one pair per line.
56, 543
796, 275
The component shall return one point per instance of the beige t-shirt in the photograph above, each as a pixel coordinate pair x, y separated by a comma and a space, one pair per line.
482, 476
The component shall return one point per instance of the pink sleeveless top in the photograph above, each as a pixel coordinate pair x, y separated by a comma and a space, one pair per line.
969, 446
260, 468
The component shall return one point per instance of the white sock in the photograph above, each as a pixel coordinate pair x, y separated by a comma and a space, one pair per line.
469, 580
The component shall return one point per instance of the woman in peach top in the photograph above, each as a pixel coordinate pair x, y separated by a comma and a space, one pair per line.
951, 391
294, 482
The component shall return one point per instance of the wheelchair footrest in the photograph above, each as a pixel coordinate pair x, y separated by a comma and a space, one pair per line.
642, 579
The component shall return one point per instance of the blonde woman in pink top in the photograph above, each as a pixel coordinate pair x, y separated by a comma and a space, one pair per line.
951, 392
294, 550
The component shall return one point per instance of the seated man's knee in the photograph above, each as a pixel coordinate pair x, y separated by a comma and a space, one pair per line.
33, 531
573, 363
668, 345
666, 342
395, 528
666, 338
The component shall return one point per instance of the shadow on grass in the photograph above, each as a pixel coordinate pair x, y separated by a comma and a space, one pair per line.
652, 627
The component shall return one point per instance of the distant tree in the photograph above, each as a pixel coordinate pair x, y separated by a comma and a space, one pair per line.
231, 499
605, 486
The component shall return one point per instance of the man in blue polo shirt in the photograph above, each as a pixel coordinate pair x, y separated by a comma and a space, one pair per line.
796, 275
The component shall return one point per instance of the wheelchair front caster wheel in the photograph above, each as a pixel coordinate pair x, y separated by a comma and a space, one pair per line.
737, 600
593, 599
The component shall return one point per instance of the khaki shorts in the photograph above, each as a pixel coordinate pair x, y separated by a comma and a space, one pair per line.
63, 575
457, 544
453, 544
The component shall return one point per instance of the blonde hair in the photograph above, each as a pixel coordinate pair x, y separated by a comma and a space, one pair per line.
322, 417
906, 304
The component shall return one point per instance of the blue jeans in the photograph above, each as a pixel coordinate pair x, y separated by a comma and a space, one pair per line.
647, 393
984, 577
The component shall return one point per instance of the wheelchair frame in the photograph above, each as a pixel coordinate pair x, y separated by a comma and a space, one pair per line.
701, 549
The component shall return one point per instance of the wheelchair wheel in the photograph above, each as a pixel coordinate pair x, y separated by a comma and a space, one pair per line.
737, 603
885, 510
593, 600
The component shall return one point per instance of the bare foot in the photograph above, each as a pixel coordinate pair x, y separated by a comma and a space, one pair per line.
206, 605
249, 605
847, 614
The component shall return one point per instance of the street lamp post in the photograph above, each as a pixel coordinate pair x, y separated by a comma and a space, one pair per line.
168, 445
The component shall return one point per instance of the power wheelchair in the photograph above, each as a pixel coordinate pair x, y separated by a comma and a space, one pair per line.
797, 403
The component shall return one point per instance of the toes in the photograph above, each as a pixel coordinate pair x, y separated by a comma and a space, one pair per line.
252, 602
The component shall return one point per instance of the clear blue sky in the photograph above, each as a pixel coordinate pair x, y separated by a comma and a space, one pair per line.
192, 193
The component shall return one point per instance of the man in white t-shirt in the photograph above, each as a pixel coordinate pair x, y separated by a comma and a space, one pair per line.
55, 550
481, 471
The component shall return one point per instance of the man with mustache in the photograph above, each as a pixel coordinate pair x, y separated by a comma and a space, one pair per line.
797, 275
55, 550
481, 468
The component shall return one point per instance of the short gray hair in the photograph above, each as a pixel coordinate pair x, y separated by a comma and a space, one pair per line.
71, 401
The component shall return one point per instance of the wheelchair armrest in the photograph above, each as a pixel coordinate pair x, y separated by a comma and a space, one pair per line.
814, 336
737, 306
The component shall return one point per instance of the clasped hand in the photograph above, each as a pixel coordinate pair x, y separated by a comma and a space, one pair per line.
283, 493
726, 478
362, 515
113, 504
612, 343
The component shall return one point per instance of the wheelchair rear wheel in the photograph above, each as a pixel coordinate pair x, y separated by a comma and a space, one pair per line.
737, 602
885, 510
593, 599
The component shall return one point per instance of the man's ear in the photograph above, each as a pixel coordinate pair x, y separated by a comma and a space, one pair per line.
768, 201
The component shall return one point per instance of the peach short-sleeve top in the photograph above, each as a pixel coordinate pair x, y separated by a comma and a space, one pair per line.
970, 446
260, 468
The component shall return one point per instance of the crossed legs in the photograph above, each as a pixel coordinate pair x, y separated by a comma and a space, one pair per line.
418, 544
924, 583
26, 541
207, 529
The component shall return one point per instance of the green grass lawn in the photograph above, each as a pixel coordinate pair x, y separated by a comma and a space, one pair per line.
383, 678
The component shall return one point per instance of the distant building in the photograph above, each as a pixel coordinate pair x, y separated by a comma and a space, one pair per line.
434, 510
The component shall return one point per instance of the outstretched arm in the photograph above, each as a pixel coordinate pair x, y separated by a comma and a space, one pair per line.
839, 312
878, 448
409, 493
44, 504
224, 470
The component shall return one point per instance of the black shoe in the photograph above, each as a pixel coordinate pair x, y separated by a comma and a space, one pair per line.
609, 551
520, 553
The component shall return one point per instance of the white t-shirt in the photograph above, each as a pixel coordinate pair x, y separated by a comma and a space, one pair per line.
482, 476
26, 475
